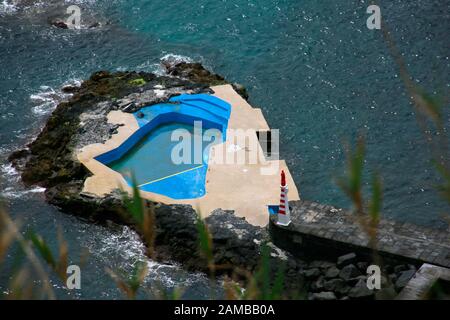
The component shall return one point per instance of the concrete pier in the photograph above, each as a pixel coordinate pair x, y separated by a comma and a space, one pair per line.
325, 229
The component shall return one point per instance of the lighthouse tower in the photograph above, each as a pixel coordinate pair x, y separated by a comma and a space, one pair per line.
284, 216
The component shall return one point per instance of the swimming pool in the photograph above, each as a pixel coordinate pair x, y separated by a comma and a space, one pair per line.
148, 154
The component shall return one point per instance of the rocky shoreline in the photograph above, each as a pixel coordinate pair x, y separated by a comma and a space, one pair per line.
50, 162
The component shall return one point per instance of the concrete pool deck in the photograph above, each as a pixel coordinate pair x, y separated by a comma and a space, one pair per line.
240, 186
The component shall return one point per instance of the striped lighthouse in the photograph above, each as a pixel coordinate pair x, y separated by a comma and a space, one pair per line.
284, 216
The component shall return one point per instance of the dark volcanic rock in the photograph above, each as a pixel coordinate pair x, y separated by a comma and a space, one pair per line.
404, 278
237, 245
337, 285
318, 285
349, 272
332, 272
347, 259
323, 265
360, 291
236, 241
323, 296
311, 273
362, 266
355, 280
401, 267
59, 24
194, 72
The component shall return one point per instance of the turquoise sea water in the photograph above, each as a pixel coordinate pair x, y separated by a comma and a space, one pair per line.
317, 72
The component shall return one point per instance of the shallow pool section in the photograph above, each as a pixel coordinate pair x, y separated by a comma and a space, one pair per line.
168, 155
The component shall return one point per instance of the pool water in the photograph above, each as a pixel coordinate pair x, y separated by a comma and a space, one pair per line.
156, 170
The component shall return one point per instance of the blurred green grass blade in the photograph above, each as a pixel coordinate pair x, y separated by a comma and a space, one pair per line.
377, 198
278, 286
134, 205
357, 166
205, 241
444, 189
43, 249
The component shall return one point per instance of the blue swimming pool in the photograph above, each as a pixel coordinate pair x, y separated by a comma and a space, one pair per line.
148, 154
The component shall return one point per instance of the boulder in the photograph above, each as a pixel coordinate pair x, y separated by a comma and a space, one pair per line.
59, 24
388, 268
337, 286
332, 272
403, 279
401, 267
347, 259
393, 277
362, 266
412, 267
360, 291
324, 296
69, 88
386, 293
349, 271
321, 264
353, 281
318, 285
311, 273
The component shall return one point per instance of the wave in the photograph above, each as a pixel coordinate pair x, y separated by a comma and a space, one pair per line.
123, 242
175, 58
157, 67
47, 98
12, 193
8, 170
172, 59
14, 189
7, 8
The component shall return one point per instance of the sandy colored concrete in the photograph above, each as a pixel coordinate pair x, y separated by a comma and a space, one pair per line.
240, 187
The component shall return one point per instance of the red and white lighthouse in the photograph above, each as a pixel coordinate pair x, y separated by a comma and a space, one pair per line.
284, 216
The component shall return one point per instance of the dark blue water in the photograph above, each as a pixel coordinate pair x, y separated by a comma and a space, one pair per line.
317, 72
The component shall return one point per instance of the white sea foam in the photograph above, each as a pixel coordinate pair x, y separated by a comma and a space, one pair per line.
13, 193
126, 244
7, 7
14, 189
159, 93
47, 98
157, 68
172, 59
72, 82
8, 171
175, 58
